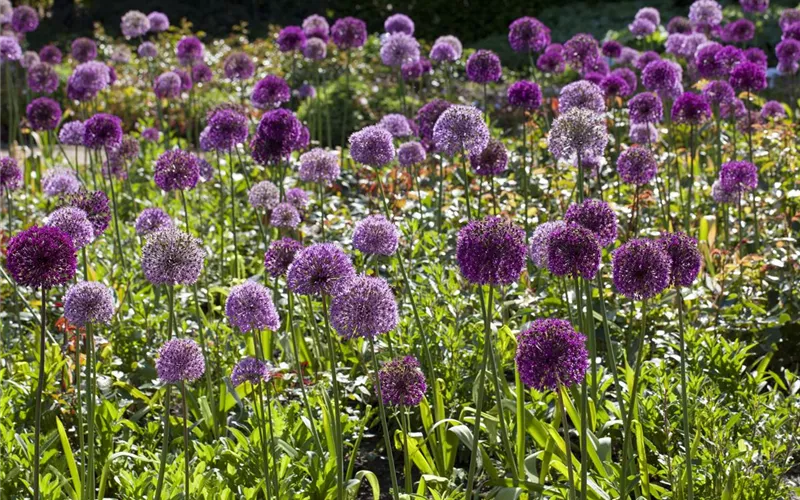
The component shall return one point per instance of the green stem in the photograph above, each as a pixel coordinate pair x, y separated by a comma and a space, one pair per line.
487, 339
262, 434
466, 183
567, 446
185, 441
337, 422
406, 451
632, 409
167, 397
687, 436
387, 440
91, 390
39, 389
273, 450
584, 436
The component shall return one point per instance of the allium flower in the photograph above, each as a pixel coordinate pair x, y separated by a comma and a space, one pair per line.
427, 116
524, 94
6, 11
685, 257
83, 50
528, 34
460, 128
24, 19
249, 308
152, 220
661, 75
738, 31
176, 169
398, 49
239, 66
270, 92
539, 244
636, 165
756, 55
685, 46
719, 195
578, 132
581, 50
643, 133
412, 70
134, 24
690, 108
581, 94
227, 129
550, 354
372, 146
285, 216
43, 113
641, 269
275, 137
402, 382
306, 91
349, 33
491, 251
727, 57
611, 48
444, 52
88, 302
50, 54
597, 217
172, 257
705, 14
593, 78
303, 139
158, 22
410, 153
88, 80
754, 6
493, 160
264, 195
315, 49
788, 17
297, 198
396, 124
645, 108
280, 255
614, 85
74, 222
147, 50
102, 131
29, 58
185, 77
251, 370
60, 181
42, 78
41, 257
399, 23
180, 360
641, 28
10, 174
452, 41
773, 110
788, 51
376, 235
748, 77
190, 51
96, 207
363, 306
319, 269
291, 38
646, 58
316, 26
738, 177
201, 73
679, 24
150, 134
551, 61
573, 250
483, 66
319, 166
718, 93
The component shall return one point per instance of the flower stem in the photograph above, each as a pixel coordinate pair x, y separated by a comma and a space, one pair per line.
167, 398
39, 388
337, 415
567, 447
487, 339
632, 409
185, 440
262, 434
387, 439
687, 436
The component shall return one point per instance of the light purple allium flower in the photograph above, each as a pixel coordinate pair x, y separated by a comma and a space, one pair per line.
719, 195
96, 207
410, 153
280, 255
738, 31
643, 133
291, 38
186, 79
493, 160
629, 57
303, 139
661, 75
24, 19
538, 248
754, 6
134, 24
398, 49
88, 302
147, 50
29, 58
319, 269
74, 222
399, 23
121, 55
176, 170
483, 66
190, 51
270, 92
736, 177
180, 360
60, 181
152, 220
349, 33
87, 80
227, 128
249, 308
315, 49
41, 257
649, 13
402, 382
581, 94
284, 216
264, 195
427, 116
172, 257
151, 134
363, 307
319, 166
748, 77
645, 108
685, 256
83, 50
43, 113
10, 174
238, 66
396, 124
443, 52
372, 146
641, 269
316, 26
578, 133
252, 370
491, 251
50, 54
376, 235
524, 94
596, 216
773, 110
413, 70
298, 198
641, 28
306, 91
573, 250
158, 22
691, 109
528, 34
550, 354
705, 14
460, 129
581, 50
453, 42
636, 165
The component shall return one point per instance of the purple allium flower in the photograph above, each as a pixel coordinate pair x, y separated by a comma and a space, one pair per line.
306, 91
158, 22
396, 124
151, 134
372, 146
528, 34
249, 308
661, 75
134, 24
410, 153
176, 169
453, 42
738, 177
363, 307
719, 195
275, 137
748, 77
581, 94
252, 370
190, 51
402, 382
551, 61
284, 216
538, 248
738, 31
611, 48
630, 78
637, 166
705, 60
112, 74
788, 51
10, 174
318, 269
645, 58
29, 58
60, 181
493, 160
399, 23
727, 58
524, 94
172, 257
24, 19
316, 26
491, 251
147, 50
96, 207
83, 50
550, 354
627, 57
349, 33
573, 250
6, 11
685, 256
264, 195
88, 302
788, 18
578, 132
690, 108
74, 222
641, 28
280, 255
315, 49
705, 14
754, 6
719, 93
427, 116
43, 113
460, 128
185, 77
679, 24
227, 129
645, 108
398, 49
614, 85
756, 55
412, 70
303, 139
50, 54
319, 166
201, 73
641, 269
152, 220
41, 257
102, 131
238, 66
443, 52
773, 110
581, 50
376, 235
270, 92
593, 78
298, 198
87, 80
643, 133
291, 38
597, 217
180, 360
649, 13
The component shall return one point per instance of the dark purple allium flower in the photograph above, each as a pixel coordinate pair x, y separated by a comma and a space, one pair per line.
788, 51
318, 269
738, 177
60, 181
270, 92
410, 153
581, 50
685, 256
172, 257
614, 85
738, 31
96, 207
41, 257
284, 216
151, 134
190, 51
29, 58
24, 19
637, 166
43, 113
42, 78
264, 195
303, 139
578, 133
88, 302
641, 28
319, 166
50, 54
773, 110
460, 129
528, 34
349, 33
754, 6
186, 79
180, 360
641, 269
491, 251
402, 382
201, 73
315, 50
550, 353
645, 58
226, 129
611, 48
629, 77
412, 70
398, 49
756, 55
239, 66
316, 26
102, 131
291, 38
280, 255
134, 24
176, 169
573, 250
719, 93
87, 80
396, 124
376, 235
524, 94
363, 307
727, 58
594, 78
581, 94
252, 370
147, 50
661, 75
690, 108
276, 135
597, 217
74, 223
551, 61
399, 23
249, 308
705, 14
10, 174
427, 116
372, 146
679, 24
152, 220
83, 50
748, 77
493, 160
645, 108
158, 22
539, 244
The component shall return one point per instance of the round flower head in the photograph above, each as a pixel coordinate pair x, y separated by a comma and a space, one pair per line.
597, 217
249, 308
399, 23
551, 61
524, 94
275, 137
578, 132
172, 257
718, 93
372, 146
291, 38
645, 108
719, 195
251, 370
581, 50
180, 360
298, 198
748, 77
43, 113
319, 269
396, 124
74, 222
453, 42
738, 31
9, 49
773, 110
88, 80
398, 49
637, 166
645, 58
685, 257
661, 75
643, 133
738, 177
306, 91
42, 78
410, 153
239, 66
201, 73
41, 257
788, 51
190, 51
376, 235
581, 94
727, 58
573, 250
705, 14
363, 306
134, 24
641, 269
102, 131
227, 129
614, 85
88, 302
756, 55
650, 14
60, 181
493, 160
442, 52
186, 79
550, 354
158, 22
10, 174
316, 26
528, 34
319, 166
611, 48
593, 77
264, 195
788, 17
176, 169
280, 255
412, 70
29, 58
754, 6
679, 24
148, 50
641, 28
270, 92
349, 33
539, 244
460, 128
24, 19
285, 216
315, 49
303, 139
152, 220
483, 66
50, 54
427, 116
402, 382
491, 251
83, 49
690, 108
150, 134
96, 207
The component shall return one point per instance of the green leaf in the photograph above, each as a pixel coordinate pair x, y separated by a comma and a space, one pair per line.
73, 468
